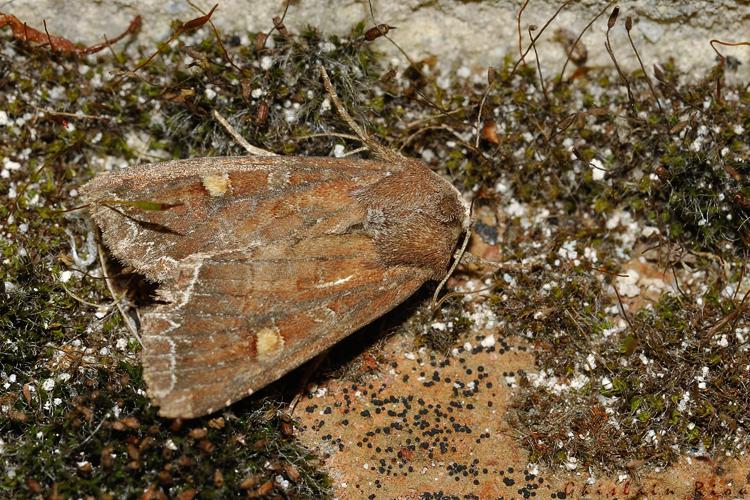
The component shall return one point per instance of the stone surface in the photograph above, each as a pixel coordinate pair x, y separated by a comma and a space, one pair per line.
471, 33
381, 438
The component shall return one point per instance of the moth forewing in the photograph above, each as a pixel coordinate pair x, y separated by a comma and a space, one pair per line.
269, 261
264, 262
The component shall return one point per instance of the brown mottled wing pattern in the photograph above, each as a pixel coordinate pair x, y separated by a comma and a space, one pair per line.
262, 264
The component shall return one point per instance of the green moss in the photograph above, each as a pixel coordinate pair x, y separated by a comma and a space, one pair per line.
686, 394
440, 331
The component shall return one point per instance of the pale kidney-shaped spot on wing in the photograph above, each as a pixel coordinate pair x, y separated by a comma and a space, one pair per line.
268, 342
216, 184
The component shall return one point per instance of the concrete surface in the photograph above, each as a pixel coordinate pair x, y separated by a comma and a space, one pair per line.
471, 33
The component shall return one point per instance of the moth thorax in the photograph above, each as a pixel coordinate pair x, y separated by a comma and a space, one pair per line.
415, 218
423, 237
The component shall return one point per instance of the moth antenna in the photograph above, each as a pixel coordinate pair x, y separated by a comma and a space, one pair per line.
311, 367
72, 209
459, 294
462, 255
470, 258
251, 150
532, 263
456, 261
372, 144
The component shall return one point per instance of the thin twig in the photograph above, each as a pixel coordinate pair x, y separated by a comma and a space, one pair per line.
412, 63
726, 44
531, 263
518, 27
374, 145
622, 306
79, 299
538, 65
677, 282
479, 115
416, 123
740, 308
255, 151
355, 151
329, 134
217, 36
722, 61
541, 31
452, 132
70, 115
275, 24
628, 26
93, 433
608, 46
739, 282
729, 317
187, 26
515, 66
49, 38
585, 28
111, 49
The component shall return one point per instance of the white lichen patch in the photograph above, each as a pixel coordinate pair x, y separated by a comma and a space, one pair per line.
627, 284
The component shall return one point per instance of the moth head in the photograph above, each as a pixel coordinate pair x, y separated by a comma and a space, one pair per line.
453, 207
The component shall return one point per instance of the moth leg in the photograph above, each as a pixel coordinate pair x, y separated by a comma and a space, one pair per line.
252, 150
374, 146
308, 370
456, 261
124, 310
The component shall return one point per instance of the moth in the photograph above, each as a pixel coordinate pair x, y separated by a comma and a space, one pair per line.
264, 262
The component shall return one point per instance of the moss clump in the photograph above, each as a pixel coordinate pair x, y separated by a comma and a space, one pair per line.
590, 182
707, 198
441, 330
670, 384
562, 314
